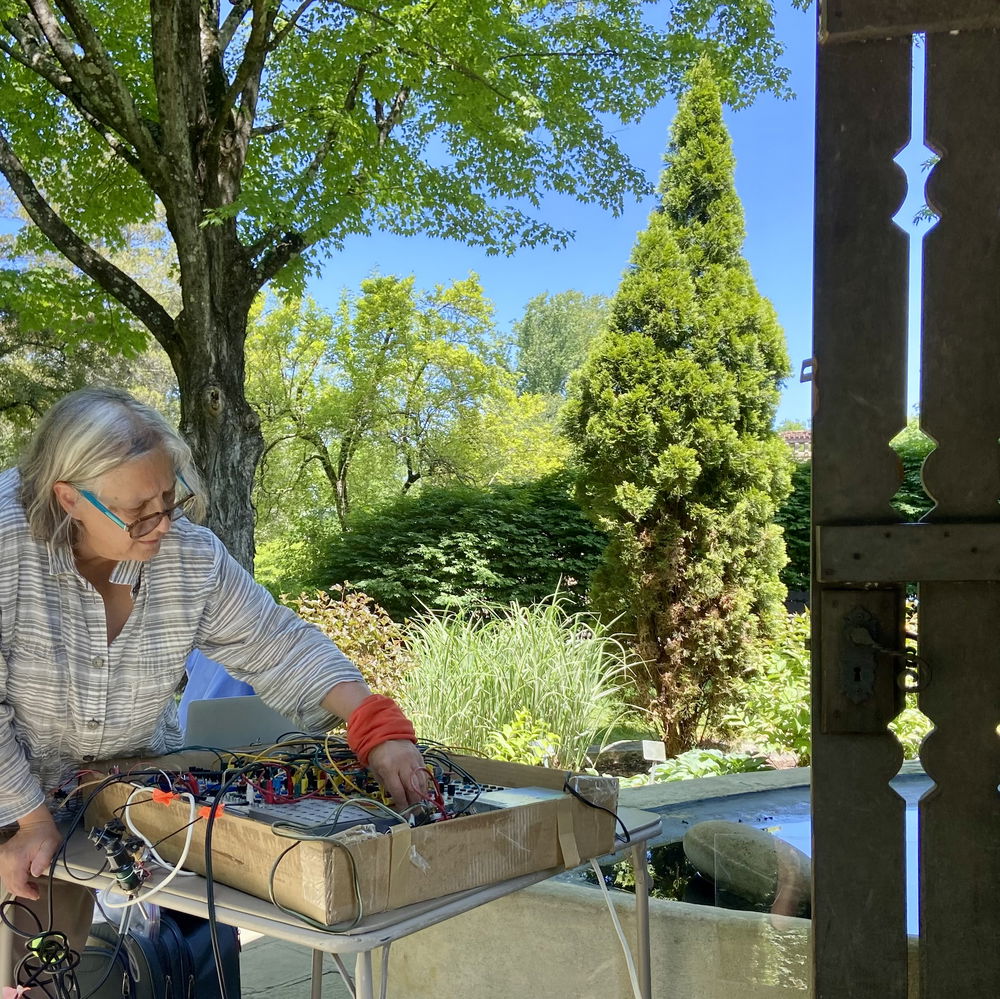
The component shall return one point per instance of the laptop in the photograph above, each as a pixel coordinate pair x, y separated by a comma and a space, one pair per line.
228, 722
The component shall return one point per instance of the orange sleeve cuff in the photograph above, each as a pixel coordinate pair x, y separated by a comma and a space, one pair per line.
375, 720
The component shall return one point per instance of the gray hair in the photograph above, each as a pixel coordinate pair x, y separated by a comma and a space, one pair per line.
81, 437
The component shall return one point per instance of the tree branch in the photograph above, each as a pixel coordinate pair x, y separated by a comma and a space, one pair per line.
449, 60
96, 78
63, 84
561, 54
291, 244
289, 25
33, 56
31, 404
339, 486
310, 172
246, 82
386, 123
268, 448
232, 22
262, 130
114, 281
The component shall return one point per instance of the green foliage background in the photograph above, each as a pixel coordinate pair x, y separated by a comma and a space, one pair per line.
772, 708
456, 546
794, 516
552, 339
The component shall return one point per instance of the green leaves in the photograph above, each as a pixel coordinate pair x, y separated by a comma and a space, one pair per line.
670, 420
738, 38
450, 118
52, 300
528, 681
698, 763
403, 376
552, 339
452, 547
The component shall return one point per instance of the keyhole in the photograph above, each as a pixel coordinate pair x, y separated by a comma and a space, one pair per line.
857, 674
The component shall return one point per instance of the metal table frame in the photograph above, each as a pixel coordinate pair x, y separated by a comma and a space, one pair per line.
380, 929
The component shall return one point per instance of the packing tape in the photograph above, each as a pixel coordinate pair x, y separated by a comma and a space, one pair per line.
399, 858
567, 834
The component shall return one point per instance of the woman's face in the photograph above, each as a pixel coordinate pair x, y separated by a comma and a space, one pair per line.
139, 487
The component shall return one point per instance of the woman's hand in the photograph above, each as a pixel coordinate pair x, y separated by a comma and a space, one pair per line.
29, 852
397, 763
401, 771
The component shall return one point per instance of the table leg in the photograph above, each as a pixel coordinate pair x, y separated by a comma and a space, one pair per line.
316, 992
642, 918
364, 987
346, 976
6, 955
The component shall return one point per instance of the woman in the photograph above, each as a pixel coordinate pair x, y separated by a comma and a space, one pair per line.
105, 588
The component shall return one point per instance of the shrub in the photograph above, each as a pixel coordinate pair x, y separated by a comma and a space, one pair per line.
523, 740
775, 708
699, 763
910, 726
911, 502
794, 517
286, 560
519, 672
459, 547
363, 631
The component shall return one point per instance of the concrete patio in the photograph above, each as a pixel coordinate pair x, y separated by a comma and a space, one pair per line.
275, 968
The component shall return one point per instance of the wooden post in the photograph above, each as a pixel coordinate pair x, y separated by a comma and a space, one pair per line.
863, 120
960, 409
861, 558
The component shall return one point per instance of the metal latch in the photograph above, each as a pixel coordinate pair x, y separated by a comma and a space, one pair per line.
913, 673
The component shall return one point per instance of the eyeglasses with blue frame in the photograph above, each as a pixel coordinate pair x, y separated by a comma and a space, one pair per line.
148, 523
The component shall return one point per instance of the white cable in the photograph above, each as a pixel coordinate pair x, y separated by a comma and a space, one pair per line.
123, 926
149, 846
633, 977
180, 863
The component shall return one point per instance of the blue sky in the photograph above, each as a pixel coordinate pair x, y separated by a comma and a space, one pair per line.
773, 143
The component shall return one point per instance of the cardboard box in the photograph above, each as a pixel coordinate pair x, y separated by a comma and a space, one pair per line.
393, 869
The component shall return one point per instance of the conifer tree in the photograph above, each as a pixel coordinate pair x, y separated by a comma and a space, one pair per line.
671, 423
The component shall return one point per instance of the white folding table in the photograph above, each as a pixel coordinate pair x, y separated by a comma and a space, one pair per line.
237, 908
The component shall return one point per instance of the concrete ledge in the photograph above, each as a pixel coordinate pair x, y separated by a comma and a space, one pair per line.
553, 941
669, 793
556, 940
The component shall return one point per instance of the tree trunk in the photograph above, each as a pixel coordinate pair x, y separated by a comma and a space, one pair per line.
216, 419
224, 434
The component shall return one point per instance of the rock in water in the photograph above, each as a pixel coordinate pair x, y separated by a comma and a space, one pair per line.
753, 864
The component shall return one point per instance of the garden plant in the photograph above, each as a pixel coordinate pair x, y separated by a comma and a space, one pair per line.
492, 678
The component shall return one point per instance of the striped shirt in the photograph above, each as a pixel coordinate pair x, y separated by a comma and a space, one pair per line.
68, 697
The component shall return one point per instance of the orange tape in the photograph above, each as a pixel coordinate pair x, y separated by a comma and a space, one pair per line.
206, 810
164, 797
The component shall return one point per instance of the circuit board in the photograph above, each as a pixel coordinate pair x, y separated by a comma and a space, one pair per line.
306, 812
